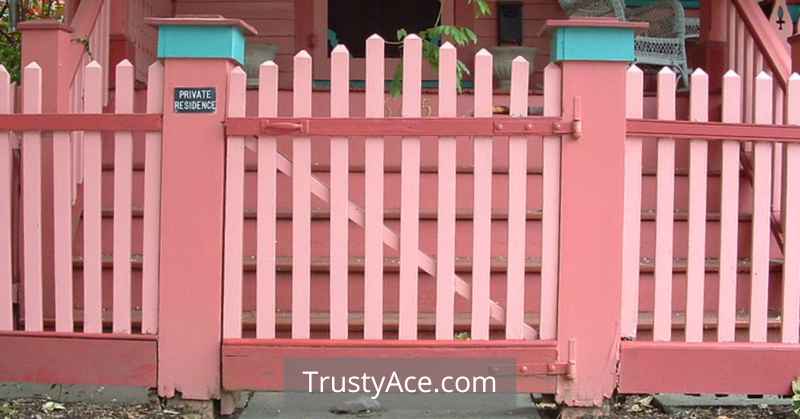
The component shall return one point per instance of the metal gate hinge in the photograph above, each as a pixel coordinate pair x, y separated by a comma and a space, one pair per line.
574, 127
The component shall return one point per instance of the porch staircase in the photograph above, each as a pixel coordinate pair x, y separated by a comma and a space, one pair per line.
428, 183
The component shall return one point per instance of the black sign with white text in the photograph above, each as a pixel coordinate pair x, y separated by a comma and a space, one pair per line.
195, 100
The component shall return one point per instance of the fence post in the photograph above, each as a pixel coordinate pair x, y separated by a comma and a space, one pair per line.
594, 55
198, 55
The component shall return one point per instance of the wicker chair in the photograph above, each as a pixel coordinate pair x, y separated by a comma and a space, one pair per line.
664, 43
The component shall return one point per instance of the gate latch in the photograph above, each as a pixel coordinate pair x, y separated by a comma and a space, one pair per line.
282, 128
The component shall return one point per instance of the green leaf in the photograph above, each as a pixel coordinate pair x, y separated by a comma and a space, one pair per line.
396, 86
401, 34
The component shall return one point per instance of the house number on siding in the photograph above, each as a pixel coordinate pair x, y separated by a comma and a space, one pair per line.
195, 100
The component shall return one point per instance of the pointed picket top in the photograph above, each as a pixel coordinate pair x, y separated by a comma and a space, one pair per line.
155, 89
94, 64
552, 90
302, 55
730, 74
483, 52
698, 96
634, 69
793, 76
666, 94
268, 64
237, 71
666, 70
731, 97
412, 37
375, 37
519, 59
340, 49
124, 63
483, 84
763, 76
34, 65
634, 92
5, 77
268, 89
446, 46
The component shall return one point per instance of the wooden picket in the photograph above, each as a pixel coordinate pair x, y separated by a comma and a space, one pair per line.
665, 205
32, 202
698, 179
92, 210
267, 193
729, 211
6, 231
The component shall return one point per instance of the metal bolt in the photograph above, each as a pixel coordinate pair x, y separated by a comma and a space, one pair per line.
523, 369
529, 127
499, 126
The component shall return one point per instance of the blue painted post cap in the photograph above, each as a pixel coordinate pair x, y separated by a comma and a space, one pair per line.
202, 37
593, 39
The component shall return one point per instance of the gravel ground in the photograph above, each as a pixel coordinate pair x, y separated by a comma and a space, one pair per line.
39, 408
638, 407
631, 407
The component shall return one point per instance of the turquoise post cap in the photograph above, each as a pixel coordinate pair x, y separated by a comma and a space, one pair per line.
201, 36
593, 39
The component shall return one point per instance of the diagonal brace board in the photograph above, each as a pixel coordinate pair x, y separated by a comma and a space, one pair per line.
390, 238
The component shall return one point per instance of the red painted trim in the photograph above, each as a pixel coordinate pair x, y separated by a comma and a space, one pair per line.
201, 20
767, 39
318, 343
713, 130
83, 336
44, 24
258, 364
58, 359
593, 22
81, 122
409, 127
727, 368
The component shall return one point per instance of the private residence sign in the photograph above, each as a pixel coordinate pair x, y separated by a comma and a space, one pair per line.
195, 100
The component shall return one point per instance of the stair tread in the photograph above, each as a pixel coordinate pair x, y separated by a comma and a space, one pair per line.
427, 320
647, 214
462, 263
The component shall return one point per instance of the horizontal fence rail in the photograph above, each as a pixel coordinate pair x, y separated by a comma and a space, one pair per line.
79, 229
365, 296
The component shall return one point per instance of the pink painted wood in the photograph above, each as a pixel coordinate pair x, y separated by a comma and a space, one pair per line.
340, 196
791, 241
551, 203
698, 180
6, 235
373, 194
665, 200
123, 195
731, 36
32, 201
791, 230
517, 208
631, 226
749, 76
740, 29
409, 191
234, 211
482, 200
760, 239
729, 208
62, 231
301, 203
152, 203
446, 214
92, 210
267, 205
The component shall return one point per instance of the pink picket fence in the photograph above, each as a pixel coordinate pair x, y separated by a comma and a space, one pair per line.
86, 259
344, 268
727, 304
